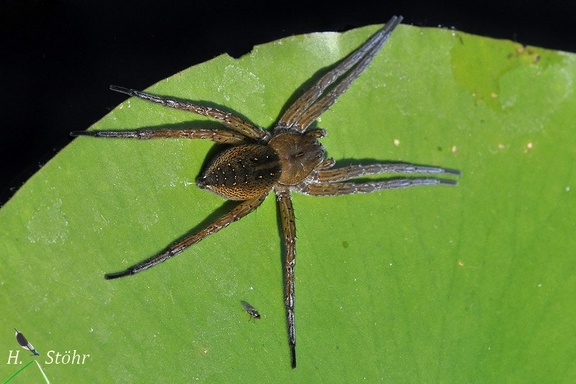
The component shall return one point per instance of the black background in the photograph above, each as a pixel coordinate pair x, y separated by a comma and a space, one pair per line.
57, 58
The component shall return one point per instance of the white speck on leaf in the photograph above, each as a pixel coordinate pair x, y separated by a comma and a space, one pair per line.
48, 225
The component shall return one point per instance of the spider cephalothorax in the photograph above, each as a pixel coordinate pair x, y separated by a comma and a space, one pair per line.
249, 170
289, 158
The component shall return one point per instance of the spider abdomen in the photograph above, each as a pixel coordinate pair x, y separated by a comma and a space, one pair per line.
242, 172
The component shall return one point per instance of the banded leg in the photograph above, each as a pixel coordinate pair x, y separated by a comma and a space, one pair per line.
336, 189
288, 224
354, 171
312, 104
234, 122
235, 214
217, 135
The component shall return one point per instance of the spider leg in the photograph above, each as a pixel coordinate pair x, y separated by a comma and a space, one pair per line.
312, 103
234, 122
288, 224
354, 171
238, 212
217, 135
336, 189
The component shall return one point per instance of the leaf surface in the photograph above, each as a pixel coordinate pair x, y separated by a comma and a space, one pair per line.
468, 284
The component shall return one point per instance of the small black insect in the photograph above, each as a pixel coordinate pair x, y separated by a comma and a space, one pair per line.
251, 310
21, 339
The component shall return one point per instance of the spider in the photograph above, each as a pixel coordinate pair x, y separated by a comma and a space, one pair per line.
288, 158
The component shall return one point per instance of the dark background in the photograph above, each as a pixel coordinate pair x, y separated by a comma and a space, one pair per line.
57, 58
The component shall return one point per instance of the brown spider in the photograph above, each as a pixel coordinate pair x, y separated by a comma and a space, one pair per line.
287, 159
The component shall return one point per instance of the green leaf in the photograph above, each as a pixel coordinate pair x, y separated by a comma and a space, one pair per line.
468, 284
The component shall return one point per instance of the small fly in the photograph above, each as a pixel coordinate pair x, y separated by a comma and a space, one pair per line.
251, 310
21, 339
